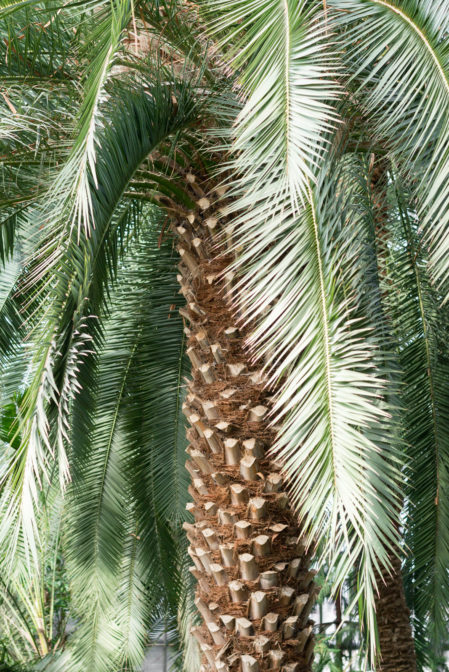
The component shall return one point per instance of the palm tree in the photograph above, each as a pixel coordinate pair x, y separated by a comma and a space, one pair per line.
250, 136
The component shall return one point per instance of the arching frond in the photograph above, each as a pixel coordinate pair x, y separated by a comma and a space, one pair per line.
74, 182
9, 6
282, 54
66, 330
398, 57
30, 623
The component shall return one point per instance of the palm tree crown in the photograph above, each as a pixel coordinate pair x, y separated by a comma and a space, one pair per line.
313, 140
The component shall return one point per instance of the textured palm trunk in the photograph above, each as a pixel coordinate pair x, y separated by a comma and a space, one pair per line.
255, 591
397, 650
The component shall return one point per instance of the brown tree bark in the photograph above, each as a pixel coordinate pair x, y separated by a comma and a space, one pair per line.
397, 650
255, 590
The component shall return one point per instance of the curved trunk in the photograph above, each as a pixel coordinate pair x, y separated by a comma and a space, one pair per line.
397, 650
255, 591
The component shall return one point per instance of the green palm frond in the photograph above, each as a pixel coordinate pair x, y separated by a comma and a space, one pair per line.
9, 6
9, 226
10, 318
67, 328
398, 57
36, 39
282, 56
74, 182
421, 327
189, 659
33, 597
22, 135
160, 369
135, 602
366, 209
129, 483
178, 27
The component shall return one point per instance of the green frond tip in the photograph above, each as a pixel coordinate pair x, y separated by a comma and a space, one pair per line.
10, 6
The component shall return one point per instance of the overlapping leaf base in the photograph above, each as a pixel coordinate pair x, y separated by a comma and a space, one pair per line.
255, 590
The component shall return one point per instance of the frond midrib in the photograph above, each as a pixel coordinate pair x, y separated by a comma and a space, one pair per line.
284, 4
178, 411
430, 377
406, 18
324, 318
110, 441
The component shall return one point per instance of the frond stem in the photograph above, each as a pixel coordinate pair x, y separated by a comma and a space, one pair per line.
178, 408
111, 434
287, 79
327, 354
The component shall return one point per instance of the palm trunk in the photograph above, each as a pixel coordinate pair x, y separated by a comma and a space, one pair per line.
397, 650
255, 591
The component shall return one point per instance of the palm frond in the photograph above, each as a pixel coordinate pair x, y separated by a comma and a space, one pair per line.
398, 57
30, 619
421, 326
178, 31
129, 483
74, 182
282, 54
9, 6
67, 328
10, 318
